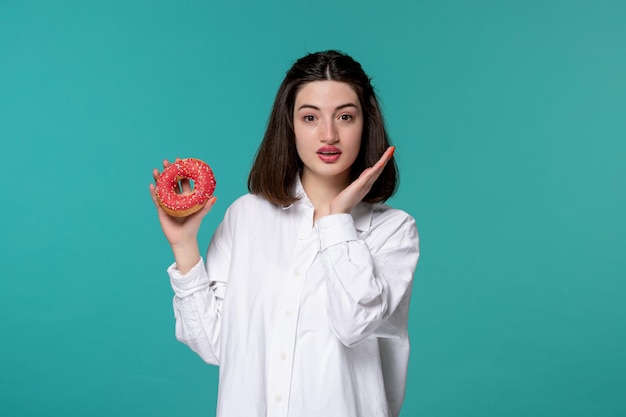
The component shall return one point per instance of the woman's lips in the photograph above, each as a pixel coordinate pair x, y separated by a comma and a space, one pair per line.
328, 153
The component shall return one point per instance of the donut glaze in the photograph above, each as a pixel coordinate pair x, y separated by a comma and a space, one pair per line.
182, 205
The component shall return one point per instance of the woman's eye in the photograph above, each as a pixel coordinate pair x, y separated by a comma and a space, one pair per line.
346, 117
309, 118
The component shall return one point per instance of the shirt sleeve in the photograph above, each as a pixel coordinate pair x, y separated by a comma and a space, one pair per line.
369, 287
198, 299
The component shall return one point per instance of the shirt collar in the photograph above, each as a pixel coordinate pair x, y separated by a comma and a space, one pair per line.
361, 214
298, 191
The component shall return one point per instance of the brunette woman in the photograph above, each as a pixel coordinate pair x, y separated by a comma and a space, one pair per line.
303, 297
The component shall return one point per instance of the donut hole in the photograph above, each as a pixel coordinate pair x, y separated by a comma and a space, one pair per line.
182, 185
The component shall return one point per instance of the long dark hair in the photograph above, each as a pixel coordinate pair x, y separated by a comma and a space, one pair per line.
277, 162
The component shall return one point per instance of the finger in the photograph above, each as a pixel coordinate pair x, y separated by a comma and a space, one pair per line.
378, 167
153, 196
205, 209
371, 174
366, 172
380, 164
161, 213
185, 185
374, 172
209, 204
389, 152
387, 155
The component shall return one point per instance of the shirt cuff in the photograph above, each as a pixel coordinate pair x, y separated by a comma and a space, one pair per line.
194, 280
335, 229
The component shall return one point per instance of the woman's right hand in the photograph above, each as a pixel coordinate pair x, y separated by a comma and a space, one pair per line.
181, 232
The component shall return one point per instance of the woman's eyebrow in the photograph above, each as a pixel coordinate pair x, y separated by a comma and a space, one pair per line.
340, 107
343, 106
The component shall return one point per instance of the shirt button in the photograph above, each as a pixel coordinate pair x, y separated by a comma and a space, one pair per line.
302, 236
288, 314
278, 398
283, 356
296, 273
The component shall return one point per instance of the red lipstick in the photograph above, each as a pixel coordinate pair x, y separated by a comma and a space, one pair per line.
328, 153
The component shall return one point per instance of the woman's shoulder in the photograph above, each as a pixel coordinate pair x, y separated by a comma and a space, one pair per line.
251, 200
382, 212
392, 221
250, 204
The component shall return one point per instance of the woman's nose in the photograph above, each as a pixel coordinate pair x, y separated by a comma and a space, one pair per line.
329, 132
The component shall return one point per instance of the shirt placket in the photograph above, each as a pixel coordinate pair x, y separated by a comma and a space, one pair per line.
288, 309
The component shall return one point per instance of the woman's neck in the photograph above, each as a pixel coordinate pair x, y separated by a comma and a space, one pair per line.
321, 191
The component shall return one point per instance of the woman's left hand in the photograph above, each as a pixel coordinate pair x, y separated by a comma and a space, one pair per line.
355, 192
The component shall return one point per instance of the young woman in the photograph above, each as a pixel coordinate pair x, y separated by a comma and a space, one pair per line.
303, 299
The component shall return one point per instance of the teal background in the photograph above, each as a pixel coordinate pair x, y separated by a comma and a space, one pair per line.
510, 124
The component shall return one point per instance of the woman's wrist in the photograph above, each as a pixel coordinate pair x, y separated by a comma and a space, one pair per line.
186, 255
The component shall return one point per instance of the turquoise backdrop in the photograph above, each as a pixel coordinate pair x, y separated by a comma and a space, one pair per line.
510, 124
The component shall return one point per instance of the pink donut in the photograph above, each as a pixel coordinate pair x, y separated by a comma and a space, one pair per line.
182, 205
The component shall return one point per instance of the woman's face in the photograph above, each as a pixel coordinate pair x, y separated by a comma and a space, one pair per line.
328, 125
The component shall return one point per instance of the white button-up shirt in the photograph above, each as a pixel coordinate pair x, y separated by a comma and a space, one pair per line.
303, 320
